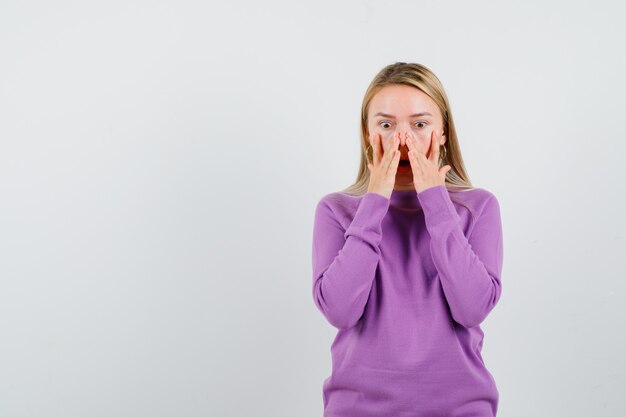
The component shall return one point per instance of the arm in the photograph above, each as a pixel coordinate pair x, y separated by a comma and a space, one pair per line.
469, 269
345, 261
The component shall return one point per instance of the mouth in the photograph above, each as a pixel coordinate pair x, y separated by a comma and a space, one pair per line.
404, 163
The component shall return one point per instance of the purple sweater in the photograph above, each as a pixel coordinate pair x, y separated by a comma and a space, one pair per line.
407, 282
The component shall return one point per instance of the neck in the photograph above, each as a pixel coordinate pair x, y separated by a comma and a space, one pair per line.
405, 197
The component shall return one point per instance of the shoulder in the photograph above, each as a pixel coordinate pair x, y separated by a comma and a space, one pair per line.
338, 205
475, 197
339, 199
339, 202
476, 200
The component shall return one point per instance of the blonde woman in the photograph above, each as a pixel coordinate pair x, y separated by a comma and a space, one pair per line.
407, 263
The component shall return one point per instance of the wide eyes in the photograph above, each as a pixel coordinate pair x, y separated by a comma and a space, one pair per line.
384, 124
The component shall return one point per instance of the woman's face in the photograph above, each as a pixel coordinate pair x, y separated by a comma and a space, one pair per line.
402, 108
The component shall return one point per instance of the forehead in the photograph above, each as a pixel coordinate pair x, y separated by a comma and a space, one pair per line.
402, 101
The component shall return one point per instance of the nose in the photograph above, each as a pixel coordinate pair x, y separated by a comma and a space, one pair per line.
402, 133
403, 148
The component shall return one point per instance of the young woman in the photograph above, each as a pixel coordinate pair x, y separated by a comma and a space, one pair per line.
407, 263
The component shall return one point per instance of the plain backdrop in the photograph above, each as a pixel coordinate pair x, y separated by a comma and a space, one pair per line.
160, 163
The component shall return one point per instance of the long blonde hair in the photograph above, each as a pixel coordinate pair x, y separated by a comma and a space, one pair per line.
422, 78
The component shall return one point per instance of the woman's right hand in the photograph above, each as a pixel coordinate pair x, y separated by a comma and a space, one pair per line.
385, 164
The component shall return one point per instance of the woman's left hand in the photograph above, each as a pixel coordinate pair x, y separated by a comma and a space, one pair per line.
426, 171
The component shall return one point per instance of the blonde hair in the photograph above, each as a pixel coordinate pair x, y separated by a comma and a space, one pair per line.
422, 78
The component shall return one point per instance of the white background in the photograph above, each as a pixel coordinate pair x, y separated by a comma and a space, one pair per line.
160, 163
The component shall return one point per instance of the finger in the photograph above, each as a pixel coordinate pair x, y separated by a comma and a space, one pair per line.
429, 151
443, 172
433, 153
375, 149
372, 142
415, 148
392, 168
416, 164
416, 156
389, 141
411, 142
393, 154
393, 145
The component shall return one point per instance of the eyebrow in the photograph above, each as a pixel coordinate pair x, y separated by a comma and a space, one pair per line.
424, 113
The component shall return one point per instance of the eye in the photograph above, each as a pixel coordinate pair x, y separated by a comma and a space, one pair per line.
422, 123
383, 123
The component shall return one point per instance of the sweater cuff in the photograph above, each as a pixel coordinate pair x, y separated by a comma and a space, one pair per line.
367, 221
437, 205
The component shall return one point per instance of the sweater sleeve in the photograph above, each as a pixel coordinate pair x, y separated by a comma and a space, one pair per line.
345, 261
469, 268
